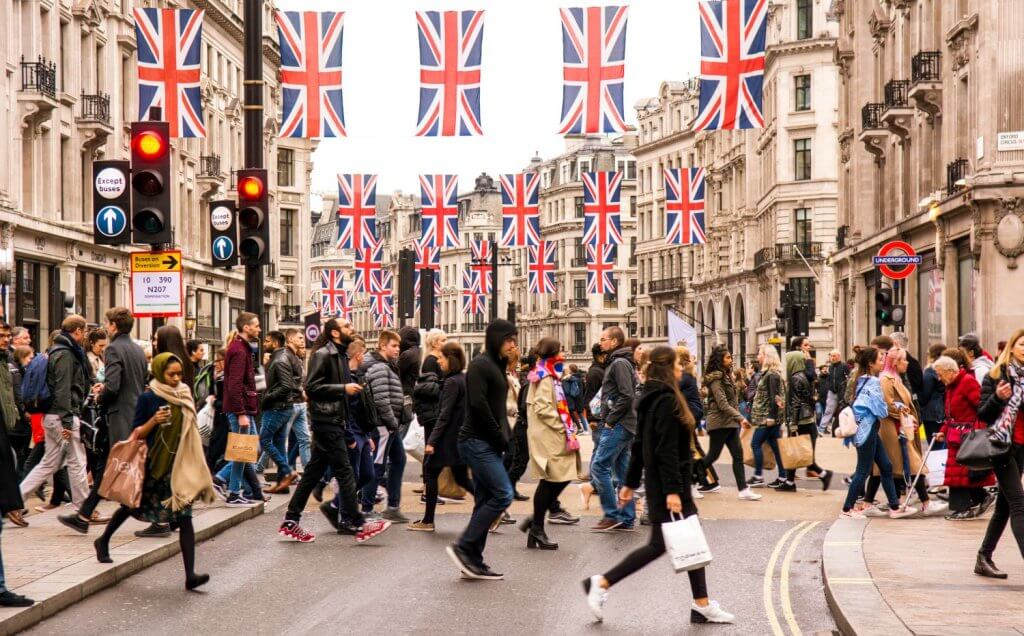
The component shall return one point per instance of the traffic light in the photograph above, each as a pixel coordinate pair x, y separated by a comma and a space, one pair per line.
883, 306
151, 182
406, 269
223, 234
782, 312
253, 214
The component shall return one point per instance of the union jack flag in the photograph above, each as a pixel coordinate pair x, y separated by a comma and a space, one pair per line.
600, 263
474, 299
357, 211
732, 39
428, 257
482, 252
368, 261
439, 198
170, 45
332, 292
451, 44
602, 223
311, 96
684, 206
381, 301
594, 57
540, 267
520, 212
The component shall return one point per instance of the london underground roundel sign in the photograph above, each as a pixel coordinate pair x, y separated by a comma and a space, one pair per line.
896, 260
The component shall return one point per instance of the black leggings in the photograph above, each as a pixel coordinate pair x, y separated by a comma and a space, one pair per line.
1010, 502
546, 494
430, 478
729, 438
516, 460
655, 547
186, 537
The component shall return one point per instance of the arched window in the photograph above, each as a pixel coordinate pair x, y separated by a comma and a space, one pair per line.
742, 320
703, 335
727, 314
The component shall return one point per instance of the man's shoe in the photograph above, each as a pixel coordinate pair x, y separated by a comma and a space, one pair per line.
282, 486
237, 500
710, 488
318, 491
220, 488
394, 515
625, 528
10, 599
462, 561
75, 522
787, 486
826, 479
331, 513
348, 528
597, 596
518, 496
712, 613
563, 517
756, 482
487, 574
196, 580
506, 519
420, 526
984, 566
606, 525
778, 483
963, 515
372, 529
154, 531
423, 500
292, 531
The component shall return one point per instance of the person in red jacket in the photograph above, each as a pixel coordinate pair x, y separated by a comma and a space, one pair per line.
240, 394
967, 495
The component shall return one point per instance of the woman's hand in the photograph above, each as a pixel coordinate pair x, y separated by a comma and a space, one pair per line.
674, 503
745, 424
940, 437
428, 450
1004, 390
162, 416
625, 496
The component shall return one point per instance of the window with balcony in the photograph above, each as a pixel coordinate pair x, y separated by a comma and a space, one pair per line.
611, 300
285, 167
287, 232
802, 92
804, 19
801, 159
802, 226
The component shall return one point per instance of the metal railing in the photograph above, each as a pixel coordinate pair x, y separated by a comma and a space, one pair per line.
926, 66
96, 108
579, 302
667, 285
955, 171
579, 261
209, 165
291, 313
787, 252
896, 94
39, 76
579, 347
871, 116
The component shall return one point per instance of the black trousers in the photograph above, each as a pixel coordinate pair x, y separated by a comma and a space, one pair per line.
1010, 502
90, 503
329, 449
431, 474
812, 430
962, 498
519, 456
727, 438
218, 444
545, 498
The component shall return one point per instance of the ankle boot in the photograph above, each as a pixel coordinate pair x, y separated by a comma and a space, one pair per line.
537, 538
192, 581
102, 550
985, 567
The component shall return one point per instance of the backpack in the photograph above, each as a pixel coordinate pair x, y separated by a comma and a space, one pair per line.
572, 386
35, 392
372, 415
847, 426
203, 385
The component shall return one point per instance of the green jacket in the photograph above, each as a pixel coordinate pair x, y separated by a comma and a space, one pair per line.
723, 409
8, 408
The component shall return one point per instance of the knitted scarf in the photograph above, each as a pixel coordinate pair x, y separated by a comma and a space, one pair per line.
1003, 429
553, 367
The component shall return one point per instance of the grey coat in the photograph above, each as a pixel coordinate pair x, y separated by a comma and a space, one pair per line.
618, 390
123, 381
387, 389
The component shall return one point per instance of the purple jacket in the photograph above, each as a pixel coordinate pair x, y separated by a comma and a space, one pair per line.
239, 379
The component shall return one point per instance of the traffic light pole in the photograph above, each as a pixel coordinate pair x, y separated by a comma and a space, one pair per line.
253, 107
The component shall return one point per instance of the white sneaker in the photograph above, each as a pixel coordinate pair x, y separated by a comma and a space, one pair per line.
713, 613
597, 596
934, 508
697, 494
901, 513
876, 511
851, 514
748, 495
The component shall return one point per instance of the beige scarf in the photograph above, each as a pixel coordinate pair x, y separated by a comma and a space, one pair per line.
190, 477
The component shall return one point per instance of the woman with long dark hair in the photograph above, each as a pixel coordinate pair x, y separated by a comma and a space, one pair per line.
663, 447
724, 419
169, 340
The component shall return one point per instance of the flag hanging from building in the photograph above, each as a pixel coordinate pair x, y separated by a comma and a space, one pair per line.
427, 257
440, 210
169, 49
540, 267
311, 96
367, 262
594, 68
600, 266
332, 292
481, 254
684, 206
602, 224
381, 300
474, 299
451, 46
681, 332
520, 212
732, 41
357, 211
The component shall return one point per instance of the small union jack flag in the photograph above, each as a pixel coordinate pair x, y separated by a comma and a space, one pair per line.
540, 267
357, 211
381, 300
451, 43
367, 262
332, 291
440, 210
600, 265
474, 299
602, 223
169, 50
520, 212
482, 253
684, 206
428, 257
732, 39
594, 57
311, 97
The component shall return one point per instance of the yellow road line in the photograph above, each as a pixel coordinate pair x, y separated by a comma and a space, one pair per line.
769, 574
787, 604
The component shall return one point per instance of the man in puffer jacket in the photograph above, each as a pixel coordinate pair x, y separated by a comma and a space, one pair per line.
381, 374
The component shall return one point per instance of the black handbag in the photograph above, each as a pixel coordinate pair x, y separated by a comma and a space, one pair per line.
978, 450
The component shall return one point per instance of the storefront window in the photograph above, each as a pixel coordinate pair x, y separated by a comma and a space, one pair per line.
965, 295
929, 302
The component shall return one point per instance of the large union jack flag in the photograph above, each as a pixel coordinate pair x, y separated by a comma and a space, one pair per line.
169, 49
474, 299
427, 257
311, 97
600, 266
520, 212
540, 267
332, 292
594, 57
732, 39
684, 206
367, 263
602, 222
381, 300
440, 209
481, 255
451, 44
357, 211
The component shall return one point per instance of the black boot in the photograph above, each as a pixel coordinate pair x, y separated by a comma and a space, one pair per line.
537, 538
195, 580
985, 567
102, 550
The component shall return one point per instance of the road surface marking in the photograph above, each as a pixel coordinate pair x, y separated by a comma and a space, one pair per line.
769, 574
787, 604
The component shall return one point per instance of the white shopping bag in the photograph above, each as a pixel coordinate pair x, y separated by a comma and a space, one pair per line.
414, 440
685, 543
204, 421
936, 468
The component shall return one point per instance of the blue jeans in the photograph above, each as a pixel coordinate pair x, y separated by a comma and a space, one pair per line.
771, 435
234, 471
596, 436
361, 459
395, 458
301, 449
492, 495
3, 581
868, 453
608, 470
273, 435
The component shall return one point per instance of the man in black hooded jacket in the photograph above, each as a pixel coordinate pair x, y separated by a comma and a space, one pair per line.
483, 441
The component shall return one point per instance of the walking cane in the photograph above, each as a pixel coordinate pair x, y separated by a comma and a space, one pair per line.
920, 469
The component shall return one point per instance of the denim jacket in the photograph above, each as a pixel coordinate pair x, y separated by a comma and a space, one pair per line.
868, 408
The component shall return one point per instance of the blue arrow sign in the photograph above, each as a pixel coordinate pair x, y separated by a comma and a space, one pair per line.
111, 221
223, 248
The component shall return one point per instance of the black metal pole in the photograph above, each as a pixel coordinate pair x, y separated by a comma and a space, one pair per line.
253, 106
494, 281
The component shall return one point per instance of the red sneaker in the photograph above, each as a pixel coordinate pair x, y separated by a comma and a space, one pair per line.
372, 529
292, 531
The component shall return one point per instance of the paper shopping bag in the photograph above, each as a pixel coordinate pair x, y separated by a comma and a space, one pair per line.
448, 487
242, 448
796, 451
748, 450
125, 472
685, 543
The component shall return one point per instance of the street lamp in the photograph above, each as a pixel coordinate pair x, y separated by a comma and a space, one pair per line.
190, 326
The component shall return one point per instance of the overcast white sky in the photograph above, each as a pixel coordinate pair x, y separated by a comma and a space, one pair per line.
521, 85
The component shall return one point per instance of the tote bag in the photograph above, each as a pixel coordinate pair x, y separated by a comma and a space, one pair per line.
748, 451
125, 472
796, 451
685, 543
242, 448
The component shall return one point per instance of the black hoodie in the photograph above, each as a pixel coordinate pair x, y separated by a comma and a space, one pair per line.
487, 390
409, 358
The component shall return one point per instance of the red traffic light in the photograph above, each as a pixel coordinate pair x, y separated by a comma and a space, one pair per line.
250, 188
149, 145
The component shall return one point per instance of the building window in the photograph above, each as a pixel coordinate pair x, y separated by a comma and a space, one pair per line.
208, 315
579, 207
579, 337
802, 226
579, 250
802, 159
287, 232
802, 90
611, 300
929, 285
579, 289
965, 294
94, 294
804, 19
285, 167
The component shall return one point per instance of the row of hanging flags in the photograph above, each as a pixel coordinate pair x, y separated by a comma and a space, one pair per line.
732, 49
